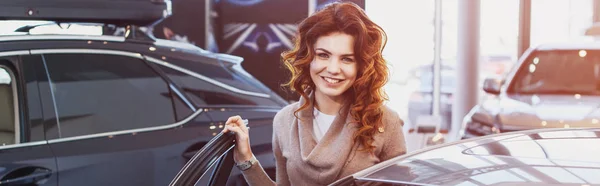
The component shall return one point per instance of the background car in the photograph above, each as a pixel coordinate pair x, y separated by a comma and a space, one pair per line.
553, 86
536, 157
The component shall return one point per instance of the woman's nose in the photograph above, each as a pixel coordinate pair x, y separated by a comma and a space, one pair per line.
333, 66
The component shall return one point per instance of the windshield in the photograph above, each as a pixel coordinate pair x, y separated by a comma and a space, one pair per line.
559, 72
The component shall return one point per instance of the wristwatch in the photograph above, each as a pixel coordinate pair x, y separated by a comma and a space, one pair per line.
245, 165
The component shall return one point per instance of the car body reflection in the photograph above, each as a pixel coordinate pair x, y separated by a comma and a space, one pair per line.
535, 157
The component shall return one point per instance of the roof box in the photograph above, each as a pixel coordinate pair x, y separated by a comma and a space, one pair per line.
117, 12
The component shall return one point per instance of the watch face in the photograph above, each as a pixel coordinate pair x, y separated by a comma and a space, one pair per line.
245, 165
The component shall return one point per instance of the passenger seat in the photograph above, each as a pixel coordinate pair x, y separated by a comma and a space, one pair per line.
7, 115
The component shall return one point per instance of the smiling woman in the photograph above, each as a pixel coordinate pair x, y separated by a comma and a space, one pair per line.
346, 44
340, 125
334, 69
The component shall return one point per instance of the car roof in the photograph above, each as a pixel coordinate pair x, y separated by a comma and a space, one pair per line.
49, 37
163, 47
526, 157
569, 46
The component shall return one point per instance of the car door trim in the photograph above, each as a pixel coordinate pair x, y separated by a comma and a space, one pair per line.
27, 144
14, 53
131, 131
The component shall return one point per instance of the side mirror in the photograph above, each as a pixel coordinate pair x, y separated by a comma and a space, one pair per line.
492, 85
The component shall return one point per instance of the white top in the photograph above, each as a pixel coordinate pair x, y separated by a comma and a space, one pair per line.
321, 123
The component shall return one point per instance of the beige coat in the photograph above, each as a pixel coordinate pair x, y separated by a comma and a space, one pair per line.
301, 160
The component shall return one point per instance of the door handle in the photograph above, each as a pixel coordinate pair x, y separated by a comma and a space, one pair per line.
26, 176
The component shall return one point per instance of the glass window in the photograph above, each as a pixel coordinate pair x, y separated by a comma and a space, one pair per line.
97, 93
9, 125
224, 74
204, 93
182, 108
551, 72
29, 70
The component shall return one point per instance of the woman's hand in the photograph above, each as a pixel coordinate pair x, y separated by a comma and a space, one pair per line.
242, 151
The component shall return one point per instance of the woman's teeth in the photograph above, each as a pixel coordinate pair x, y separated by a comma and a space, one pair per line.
331, 80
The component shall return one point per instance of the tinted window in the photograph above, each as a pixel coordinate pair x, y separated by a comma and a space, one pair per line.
34, 116
560, 72
101, 93
222, 73
204, 93
182, 108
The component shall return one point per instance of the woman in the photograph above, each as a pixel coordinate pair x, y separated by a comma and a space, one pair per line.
340, 125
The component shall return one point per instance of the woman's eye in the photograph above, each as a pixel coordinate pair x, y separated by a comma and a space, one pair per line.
323, 55
346, 59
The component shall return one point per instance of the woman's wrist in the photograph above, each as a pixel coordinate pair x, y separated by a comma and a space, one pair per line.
245, 157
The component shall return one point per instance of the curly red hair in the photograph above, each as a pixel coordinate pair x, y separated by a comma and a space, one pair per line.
366, 94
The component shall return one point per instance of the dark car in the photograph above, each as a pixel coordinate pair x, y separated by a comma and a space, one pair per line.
552, 86
119, 110
543, 157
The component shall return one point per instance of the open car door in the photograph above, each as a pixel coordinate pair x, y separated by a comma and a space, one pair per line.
211, 165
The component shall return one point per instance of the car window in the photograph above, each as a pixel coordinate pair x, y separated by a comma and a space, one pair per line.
34, 119
205, 93
551, 72
9, 124
221, 73
97, 93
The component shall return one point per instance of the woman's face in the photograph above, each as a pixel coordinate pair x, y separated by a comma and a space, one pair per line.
334, 68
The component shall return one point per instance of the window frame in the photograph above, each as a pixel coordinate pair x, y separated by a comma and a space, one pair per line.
134, 55
20, 102
16, 104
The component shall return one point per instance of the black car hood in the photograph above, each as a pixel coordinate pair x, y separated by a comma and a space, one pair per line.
544, 158
546, 111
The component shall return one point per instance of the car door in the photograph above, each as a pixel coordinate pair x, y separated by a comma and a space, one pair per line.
25, 156
117, 121
236, 95
211, 165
